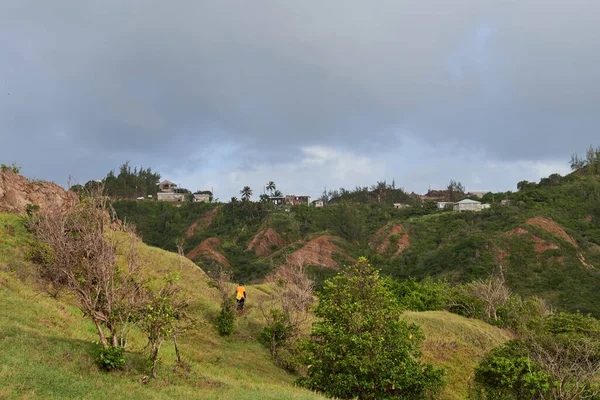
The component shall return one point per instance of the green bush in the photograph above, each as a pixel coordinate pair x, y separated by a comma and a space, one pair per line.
507, 372
360, 347
277, 331
111, 358
226, 319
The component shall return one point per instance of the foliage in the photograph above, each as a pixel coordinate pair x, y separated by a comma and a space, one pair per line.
246, 193
111, 358
427, 295
560, 355
360, 347
277, 331
508, 372
163, 316
226, 319
128, 183
13, 168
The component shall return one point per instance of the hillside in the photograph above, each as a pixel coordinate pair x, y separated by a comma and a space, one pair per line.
47, 348
547, 241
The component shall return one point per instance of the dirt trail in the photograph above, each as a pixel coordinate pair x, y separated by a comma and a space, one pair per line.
203, 221
207, 249
263, 242
318, 252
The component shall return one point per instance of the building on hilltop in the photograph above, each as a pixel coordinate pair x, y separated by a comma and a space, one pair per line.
318, 203
277, 200
467, 205
401, 205
167, 186
297, 200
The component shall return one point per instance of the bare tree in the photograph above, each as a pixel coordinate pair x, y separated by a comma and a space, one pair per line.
493, 292
180, 244
573, 363
290, 299
78, 250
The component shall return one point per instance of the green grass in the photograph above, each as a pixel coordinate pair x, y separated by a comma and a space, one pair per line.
456, 344
47, 348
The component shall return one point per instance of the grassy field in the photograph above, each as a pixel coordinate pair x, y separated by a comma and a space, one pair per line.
47, 348
456, 344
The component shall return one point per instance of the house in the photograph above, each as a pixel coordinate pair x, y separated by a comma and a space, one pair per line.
485, 206
318, 203
297, 200
444, 205
401, 205
467, 205
506, 202
170, 196
277, 200
167, 186
201, 198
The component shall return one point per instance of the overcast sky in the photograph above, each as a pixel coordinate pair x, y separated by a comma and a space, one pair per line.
309, 94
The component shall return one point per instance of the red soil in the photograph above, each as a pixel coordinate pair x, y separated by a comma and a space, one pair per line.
207, 249
318, 252
204, 221
264, 240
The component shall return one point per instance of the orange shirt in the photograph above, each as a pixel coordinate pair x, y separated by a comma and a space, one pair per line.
240, 292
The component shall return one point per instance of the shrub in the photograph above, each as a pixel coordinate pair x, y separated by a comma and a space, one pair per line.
111, 358
226, 319
361, 347
277, 331
13, 167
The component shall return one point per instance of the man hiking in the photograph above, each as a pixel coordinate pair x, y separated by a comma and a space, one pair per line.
240, 296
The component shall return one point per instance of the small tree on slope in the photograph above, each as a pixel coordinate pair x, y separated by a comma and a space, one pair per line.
361, 348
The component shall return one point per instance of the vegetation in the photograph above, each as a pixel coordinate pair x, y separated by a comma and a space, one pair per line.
12, 167
360, 347
558, 358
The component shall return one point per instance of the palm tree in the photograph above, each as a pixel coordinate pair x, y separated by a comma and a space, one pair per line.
246, 193
271, 186
277, 193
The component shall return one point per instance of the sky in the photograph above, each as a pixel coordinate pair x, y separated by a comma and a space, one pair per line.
310, 94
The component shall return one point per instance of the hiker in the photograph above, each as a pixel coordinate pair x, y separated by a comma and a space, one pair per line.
240, 296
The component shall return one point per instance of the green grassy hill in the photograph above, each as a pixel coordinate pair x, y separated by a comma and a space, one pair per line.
47, 348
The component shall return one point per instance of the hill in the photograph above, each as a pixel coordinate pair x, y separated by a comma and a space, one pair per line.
546, 240
47, 348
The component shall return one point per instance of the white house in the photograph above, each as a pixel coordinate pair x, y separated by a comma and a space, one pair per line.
467, 205
401, 205
485, 206
318, 203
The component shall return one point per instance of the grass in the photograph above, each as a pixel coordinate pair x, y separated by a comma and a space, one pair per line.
47, 348
456, 344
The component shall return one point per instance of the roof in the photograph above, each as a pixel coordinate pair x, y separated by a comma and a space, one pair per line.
166, 181
468, 201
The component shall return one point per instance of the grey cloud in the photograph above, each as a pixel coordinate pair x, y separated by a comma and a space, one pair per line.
516, 79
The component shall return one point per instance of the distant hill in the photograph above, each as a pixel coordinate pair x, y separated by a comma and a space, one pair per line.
547, 240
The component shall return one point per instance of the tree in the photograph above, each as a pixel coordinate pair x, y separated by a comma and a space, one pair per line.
163, 316
277, 193
493, 292
246, 193
456, 190
287, 309
78, 251
271, 186
360, 347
